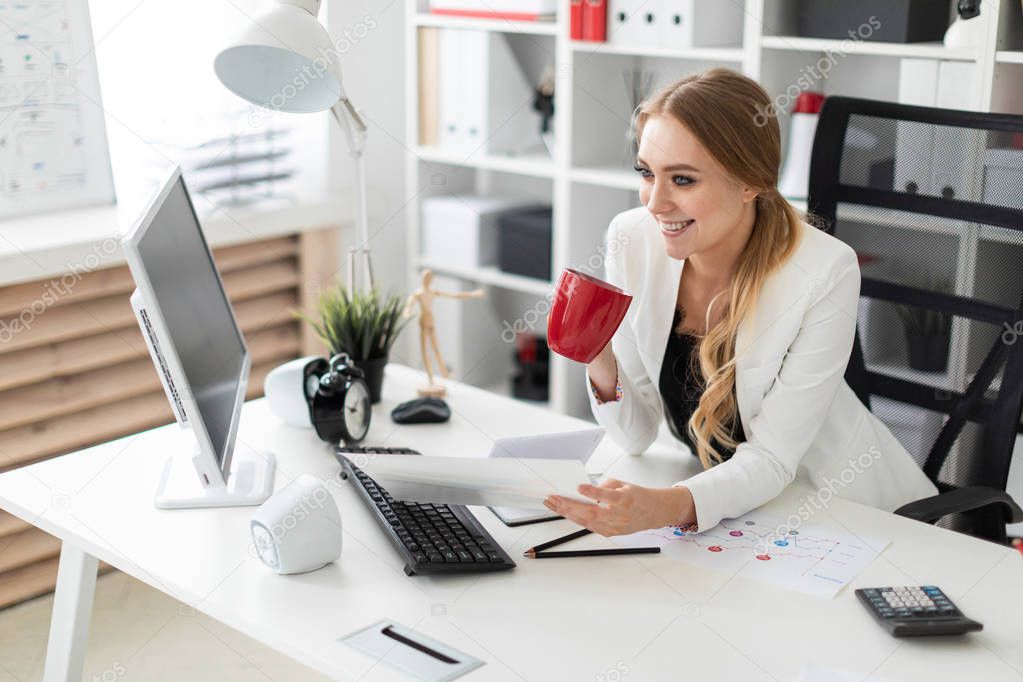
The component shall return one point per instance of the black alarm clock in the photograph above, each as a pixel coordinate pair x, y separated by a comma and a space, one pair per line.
338, 397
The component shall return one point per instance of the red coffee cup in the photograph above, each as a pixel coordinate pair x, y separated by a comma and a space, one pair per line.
584, 316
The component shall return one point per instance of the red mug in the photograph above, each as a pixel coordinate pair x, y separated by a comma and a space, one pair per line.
584, 316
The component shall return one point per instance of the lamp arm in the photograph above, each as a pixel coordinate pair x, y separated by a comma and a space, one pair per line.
355, 132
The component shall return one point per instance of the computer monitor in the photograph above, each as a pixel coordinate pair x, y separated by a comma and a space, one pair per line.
199, 352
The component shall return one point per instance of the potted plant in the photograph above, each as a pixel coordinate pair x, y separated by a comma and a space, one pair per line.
928, 333
362, 324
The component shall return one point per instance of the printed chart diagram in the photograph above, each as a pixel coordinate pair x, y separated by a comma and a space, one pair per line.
53, 149
811, 558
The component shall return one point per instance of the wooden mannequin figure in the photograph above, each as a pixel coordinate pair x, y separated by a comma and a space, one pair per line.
424, 295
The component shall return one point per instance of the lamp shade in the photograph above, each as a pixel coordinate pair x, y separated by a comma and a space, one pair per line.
283, 60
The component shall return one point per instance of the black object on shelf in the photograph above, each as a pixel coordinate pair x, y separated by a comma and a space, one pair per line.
524, 242
532, 368
928, 352
882, 174
894, 21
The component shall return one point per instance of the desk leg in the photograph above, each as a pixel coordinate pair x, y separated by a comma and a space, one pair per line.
72, 610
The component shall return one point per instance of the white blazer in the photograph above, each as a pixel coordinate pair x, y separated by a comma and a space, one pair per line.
800, 418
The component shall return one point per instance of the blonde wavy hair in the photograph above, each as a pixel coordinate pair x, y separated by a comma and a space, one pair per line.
732, 117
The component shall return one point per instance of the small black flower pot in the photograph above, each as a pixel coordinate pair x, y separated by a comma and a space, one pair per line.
928, 352
374, 370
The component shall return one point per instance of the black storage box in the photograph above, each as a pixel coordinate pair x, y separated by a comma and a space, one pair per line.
524, 242
532, 360
896, 21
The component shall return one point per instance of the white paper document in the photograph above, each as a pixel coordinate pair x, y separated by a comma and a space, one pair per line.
810, 558
501, 481
578, 445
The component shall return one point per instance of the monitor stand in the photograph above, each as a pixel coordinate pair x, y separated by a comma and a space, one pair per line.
251, 481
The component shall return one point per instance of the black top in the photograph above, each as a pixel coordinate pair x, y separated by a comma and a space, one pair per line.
681, 386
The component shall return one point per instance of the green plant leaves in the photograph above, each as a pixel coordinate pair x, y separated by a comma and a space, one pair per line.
362, 324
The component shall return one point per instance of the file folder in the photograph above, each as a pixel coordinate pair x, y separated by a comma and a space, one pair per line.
575, 19
595, 20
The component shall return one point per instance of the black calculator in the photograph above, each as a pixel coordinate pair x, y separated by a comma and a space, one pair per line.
915, 611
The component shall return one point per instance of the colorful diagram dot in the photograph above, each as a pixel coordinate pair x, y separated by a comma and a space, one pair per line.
678, 532
782, 543
714, 548
793, 532
751, 523
735, 533
764, 557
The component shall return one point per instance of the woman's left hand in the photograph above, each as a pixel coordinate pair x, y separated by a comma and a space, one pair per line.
626, 508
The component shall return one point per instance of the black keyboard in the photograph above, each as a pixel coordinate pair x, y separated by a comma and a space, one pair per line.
432, 538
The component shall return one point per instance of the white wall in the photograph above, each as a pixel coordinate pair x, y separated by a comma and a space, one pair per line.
155, 62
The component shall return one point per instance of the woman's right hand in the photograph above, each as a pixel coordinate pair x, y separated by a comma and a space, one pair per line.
603, 373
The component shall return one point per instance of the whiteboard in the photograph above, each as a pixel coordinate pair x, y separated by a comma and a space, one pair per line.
53, 143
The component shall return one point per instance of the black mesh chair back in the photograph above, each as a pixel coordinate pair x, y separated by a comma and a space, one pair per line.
932, 201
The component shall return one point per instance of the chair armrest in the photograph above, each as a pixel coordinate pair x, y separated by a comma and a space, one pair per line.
930, 509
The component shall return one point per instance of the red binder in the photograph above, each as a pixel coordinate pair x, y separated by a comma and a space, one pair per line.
595, 20
575, 19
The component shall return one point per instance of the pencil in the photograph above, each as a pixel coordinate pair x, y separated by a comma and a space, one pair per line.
593, 552
556, 541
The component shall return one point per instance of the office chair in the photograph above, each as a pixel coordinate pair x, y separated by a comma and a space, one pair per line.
932, 201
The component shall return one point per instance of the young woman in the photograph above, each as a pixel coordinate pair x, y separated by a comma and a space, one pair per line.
740, 329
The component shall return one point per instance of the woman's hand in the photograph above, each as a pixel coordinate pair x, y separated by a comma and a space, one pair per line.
626, 508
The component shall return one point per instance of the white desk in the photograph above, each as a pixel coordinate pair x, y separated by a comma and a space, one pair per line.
638, 618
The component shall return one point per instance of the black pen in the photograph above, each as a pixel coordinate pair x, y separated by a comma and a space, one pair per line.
556, 541
594, 552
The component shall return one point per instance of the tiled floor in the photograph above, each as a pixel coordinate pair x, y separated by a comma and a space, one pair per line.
140, 634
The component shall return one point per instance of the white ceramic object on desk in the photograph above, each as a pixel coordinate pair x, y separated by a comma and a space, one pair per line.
299, 528
285, 392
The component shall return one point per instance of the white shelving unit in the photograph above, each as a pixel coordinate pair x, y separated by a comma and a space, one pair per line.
491, 276
589, 178
1009, 56
530, 165
498, 25
880, 49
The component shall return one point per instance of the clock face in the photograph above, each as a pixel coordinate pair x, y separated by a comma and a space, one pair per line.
357, 410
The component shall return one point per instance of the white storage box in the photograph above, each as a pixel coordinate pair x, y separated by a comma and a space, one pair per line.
523, 10
1003, 177
675, 24
461, 231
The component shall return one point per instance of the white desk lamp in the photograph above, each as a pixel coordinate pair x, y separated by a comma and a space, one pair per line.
284, 60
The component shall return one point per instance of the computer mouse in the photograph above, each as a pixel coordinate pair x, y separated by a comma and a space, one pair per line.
421, 411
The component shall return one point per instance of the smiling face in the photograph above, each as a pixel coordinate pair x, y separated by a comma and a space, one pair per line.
699, 208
